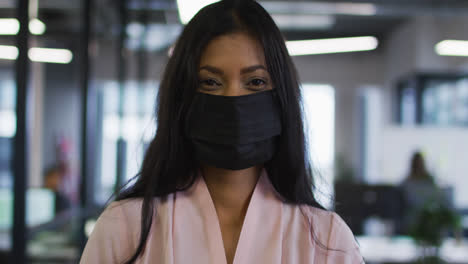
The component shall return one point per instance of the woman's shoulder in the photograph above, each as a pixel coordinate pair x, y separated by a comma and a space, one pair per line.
332, 232
113, 237
130, 209
121, 208
119, 215
324, 219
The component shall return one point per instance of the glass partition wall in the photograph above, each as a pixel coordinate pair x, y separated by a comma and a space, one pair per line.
7, 133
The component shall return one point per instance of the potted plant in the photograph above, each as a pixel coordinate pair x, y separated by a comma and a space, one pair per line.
433, 222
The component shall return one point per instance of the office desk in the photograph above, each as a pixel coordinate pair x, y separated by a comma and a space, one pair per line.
404, 250
52, 249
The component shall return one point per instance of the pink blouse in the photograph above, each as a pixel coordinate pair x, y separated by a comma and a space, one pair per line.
185, 230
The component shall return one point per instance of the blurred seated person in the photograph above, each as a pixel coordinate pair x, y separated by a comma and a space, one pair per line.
420, 190
53, 180
418, 172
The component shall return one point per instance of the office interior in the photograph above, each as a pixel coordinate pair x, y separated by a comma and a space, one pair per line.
79, 78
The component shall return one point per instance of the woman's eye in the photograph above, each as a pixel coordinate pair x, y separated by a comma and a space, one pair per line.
257, 82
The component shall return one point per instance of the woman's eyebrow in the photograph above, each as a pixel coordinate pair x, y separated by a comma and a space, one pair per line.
252, 69
212, 69
249, 69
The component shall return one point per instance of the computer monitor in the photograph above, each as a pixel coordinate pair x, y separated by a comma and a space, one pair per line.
357, 202
40, 207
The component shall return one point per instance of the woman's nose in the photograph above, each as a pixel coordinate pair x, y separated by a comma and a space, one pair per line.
234, 89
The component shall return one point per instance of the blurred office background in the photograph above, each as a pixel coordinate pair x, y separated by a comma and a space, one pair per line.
78, 81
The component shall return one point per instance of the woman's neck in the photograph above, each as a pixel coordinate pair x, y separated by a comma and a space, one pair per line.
231, 190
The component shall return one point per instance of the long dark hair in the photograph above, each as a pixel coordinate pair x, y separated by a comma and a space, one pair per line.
418, 169
169, 165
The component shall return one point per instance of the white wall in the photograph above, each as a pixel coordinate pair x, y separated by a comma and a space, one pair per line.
347, 73
445, 151
410, 49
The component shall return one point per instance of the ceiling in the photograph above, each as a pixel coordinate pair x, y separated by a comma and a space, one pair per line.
63, 17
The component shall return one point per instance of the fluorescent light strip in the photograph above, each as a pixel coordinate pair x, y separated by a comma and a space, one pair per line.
334, 45
324, 8
188, 8
298, 21
11, 26
36, 27
452, 47
62, 56
357, 9
8, 52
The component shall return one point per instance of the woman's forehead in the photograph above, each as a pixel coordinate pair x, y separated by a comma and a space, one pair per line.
233, 49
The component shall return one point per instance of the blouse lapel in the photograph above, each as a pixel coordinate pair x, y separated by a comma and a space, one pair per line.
197, 231
261, 236
199, 234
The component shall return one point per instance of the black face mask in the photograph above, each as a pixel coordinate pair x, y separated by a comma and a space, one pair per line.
234, 132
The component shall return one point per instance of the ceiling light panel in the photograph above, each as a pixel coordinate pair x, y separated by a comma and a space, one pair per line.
452, 48
298, 22
8, 52
36, 27
324, 8
62, 56
188, 8
9, 26
334, 45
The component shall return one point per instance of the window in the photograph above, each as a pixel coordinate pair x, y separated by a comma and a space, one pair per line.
136, 127
319, 115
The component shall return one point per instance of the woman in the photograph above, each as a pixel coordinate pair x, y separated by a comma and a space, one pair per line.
419, 190
226, 179
418, 171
